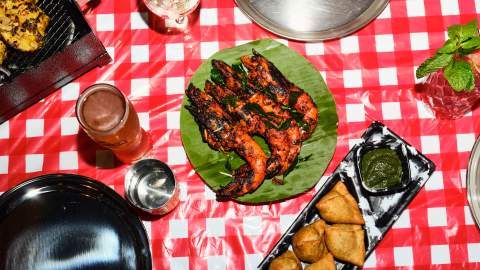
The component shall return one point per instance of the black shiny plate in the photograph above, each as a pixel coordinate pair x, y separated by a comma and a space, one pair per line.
69, 222
379, 210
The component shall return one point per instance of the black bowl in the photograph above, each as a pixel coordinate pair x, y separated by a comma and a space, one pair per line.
402, 154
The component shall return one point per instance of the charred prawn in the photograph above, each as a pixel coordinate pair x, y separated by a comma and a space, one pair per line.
268, 76
223, 134
241, 103
263, 115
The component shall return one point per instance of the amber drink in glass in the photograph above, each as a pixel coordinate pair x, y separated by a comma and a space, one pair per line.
109, 118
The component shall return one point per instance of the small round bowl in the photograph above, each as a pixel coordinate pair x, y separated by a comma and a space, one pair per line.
402, 154
151, 187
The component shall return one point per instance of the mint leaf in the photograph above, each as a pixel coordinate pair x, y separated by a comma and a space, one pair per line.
433, 64
459, 75
472, 43
450, 46
463, 32
463, 40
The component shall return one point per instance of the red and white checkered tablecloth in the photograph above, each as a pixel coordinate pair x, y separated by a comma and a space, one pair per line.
371, 75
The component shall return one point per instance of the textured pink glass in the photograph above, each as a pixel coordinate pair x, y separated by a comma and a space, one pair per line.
446, 102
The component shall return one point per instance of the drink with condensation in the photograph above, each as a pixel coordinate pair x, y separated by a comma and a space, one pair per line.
109, 118
173, 12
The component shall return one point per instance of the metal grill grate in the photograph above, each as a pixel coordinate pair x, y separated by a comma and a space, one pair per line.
65, 27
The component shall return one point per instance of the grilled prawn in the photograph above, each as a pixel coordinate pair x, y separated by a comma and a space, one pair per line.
257, 124
268, 76
283, 138
226, 135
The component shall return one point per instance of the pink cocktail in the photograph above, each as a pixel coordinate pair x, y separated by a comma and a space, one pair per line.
444, 101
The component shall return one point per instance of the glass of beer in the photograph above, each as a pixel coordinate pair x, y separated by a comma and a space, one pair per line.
108, 117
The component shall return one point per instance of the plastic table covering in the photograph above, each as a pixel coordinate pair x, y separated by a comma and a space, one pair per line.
371, 75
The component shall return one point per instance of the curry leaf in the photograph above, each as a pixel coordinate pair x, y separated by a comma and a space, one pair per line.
217, 77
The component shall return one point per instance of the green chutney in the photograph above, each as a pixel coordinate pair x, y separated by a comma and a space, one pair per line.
381, 168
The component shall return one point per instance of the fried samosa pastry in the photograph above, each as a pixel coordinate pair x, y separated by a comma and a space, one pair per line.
346, 242
286, 261
309, 242
339, 206
325, 263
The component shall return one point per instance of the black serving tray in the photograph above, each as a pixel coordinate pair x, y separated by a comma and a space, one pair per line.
380, 210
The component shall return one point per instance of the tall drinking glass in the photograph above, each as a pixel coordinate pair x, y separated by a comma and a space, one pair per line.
108, 117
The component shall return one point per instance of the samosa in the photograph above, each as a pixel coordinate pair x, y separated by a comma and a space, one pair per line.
286, 261
346, 242
325, 263
339, 206
309, 242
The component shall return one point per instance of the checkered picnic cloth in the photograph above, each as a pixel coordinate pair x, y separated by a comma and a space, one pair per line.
371, 75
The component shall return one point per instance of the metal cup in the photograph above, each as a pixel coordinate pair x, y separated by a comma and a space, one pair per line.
151, 187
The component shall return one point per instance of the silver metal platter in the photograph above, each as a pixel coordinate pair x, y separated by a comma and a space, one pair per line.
473, 182
312, 20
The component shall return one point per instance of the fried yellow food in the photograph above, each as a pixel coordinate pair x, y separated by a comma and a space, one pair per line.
286, 261
338, 206
325, 263
309, 242
3, 52
23, 24
346, 242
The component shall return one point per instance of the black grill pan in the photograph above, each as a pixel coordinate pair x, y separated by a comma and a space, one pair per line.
71, 49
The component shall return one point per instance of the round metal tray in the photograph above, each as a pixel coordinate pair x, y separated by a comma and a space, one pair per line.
310, 20
473, 182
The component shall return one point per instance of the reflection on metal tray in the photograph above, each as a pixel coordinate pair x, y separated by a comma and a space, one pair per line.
380, 211
311, 20
71, 49
70, 222
473, 183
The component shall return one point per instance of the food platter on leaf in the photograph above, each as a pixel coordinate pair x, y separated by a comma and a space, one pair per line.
265, 127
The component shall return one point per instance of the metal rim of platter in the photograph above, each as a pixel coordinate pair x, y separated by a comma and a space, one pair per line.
473, 186
268, 17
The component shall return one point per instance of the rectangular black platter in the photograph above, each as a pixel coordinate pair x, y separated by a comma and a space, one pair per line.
379, 211
71, 49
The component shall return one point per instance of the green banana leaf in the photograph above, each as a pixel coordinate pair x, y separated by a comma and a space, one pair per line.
316, 152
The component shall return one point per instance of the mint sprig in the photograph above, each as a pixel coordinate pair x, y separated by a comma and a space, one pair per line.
462, 40
433, 64
460, 76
